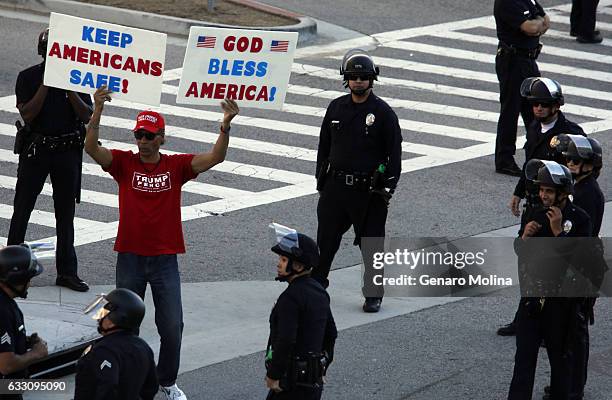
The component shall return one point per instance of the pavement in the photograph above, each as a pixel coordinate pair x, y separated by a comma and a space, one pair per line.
415, 348
237, 326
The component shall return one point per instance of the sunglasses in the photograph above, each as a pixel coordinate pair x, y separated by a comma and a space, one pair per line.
358, 77
573, 160
541, 103
140, 134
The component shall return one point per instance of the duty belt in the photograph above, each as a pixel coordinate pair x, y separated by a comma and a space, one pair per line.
59, 143
358, 180
532, 53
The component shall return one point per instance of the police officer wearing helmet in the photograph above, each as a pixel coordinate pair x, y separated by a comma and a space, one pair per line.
584, 160
51, 143
17, 350
542, 316
120, 365
358, 166
520, 23
546, 98
302, 328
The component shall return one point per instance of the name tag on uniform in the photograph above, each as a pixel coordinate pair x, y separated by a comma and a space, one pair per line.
526, 12
20, 328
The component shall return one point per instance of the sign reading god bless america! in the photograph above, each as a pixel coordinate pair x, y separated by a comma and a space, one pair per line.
251, 67
84, 54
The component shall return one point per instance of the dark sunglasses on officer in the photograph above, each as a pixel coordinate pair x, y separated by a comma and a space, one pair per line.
142, 133
573, 159
355, 77
543, 104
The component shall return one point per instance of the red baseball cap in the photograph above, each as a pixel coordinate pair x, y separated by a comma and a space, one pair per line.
150, 121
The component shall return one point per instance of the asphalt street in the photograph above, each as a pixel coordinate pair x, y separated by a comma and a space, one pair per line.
437, 71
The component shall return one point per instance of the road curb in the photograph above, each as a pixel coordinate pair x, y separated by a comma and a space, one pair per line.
306, 27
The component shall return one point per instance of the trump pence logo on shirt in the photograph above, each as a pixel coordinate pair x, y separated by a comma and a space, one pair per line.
151, 183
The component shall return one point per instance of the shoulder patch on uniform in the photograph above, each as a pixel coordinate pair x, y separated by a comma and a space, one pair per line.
106, 363
5, 339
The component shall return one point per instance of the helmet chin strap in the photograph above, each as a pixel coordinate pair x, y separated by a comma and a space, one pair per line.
102, 331
21, 293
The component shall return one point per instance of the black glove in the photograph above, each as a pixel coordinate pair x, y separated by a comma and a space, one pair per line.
384, 193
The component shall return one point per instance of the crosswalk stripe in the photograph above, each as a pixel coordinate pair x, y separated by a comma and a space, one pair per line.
274, 149
565, 19
327, 73
547, 49
552, 33
492, 96
490, 59
45, 218
230, 167
604, 10
87, 196
418, 126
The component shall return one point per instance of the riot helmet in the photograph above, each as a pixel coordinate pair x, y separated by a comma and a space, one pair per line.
18, 265
295, 246
544, 90
43, 40
550, 173
122, 306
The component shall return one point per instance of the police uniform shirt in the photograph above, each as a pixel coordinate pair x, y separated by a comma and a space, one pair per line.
510, 15
588, 196
56, 116
357, 137
301, 322
537, 145
12, 331
119, 367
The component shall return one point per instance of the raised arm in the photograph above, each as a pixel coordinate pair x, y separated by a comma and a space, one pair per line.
204, 161
101, 155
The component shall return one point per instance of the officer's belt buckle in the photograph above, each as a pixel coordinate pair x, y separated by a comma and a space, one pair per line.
349, 180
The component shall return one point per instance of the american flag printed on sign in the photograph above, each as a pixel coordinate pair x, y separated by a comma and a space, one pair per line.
206, 41
279, 45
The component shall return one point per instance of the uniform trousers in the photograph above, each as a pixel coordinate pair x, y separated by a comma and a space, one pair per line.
296, 394
63, 168
551, 324
340, 207
511, 71
583, 17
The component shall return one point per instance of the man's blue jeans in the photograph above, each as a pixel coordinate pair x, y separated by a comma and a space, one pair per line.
161, 272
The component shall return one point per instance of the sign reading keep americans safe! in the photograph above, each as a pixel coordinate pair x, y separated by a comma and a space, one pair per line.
249, 66
84, 54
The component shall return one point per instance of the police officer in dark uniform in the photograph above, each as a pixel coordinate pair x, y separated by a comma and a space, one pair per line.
120, 365
542, 316
302, 328
584, 160
50, 144
358, 167
17, 350
520, 23
582, 21
546, 98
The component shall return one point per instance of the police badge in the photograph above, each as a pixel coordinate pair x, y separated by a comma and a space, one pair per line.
567, 226
554, 142
370, 118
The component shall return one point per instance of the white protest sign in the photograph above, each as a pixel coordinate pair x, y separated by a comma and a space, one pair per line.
252, 67
83, 55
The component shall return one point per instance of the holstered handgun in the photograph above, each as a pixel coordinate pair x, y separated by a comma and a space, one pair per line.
23, 138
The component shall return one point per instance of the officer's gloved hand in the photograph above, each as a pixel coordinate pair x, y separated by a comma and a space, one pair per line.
386, 194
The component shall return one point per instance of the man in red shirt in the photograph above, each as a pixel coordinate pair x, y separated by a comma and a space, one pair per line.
150, 234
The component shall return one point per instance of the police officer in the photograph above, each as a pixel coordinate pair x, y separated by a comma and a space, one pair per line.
542, 316
584, 160
582, 21
546, 98
17, 350
302, 328
120, 365
51, 145
520, 23
358, 166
